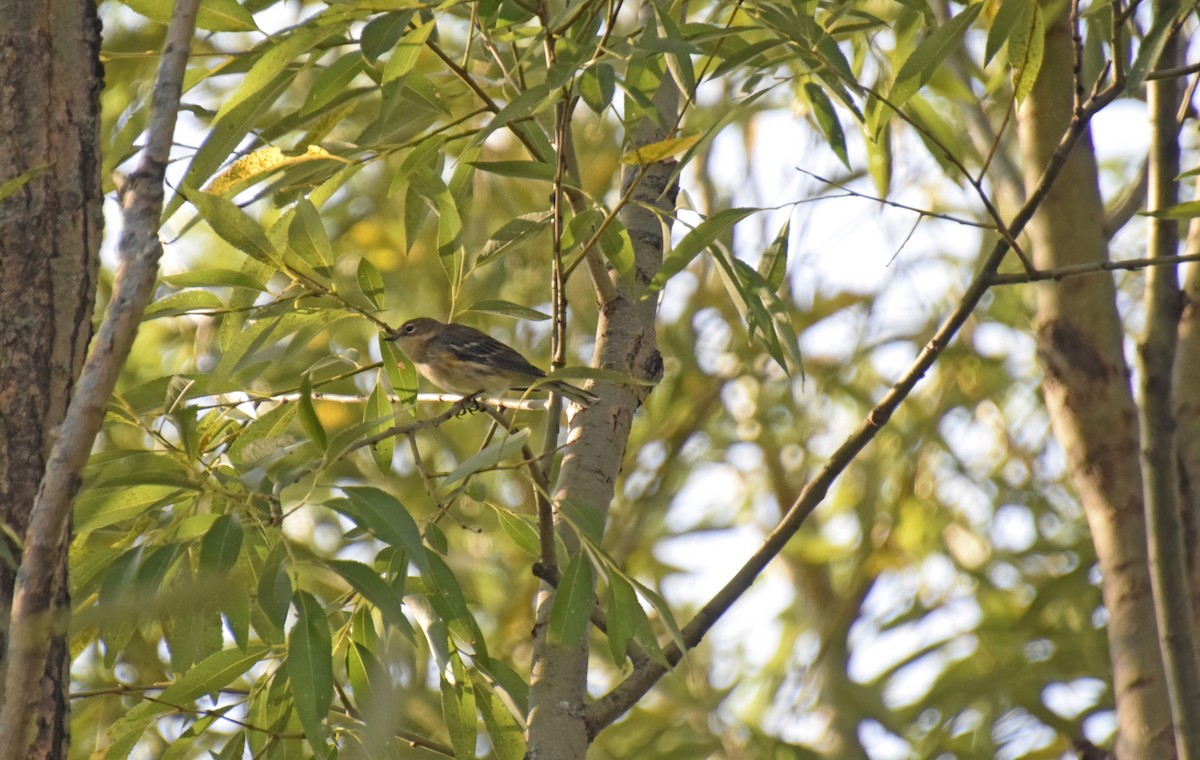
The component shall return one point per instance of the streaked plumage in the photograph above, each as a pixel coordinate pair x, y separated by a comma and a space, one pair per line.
461, 359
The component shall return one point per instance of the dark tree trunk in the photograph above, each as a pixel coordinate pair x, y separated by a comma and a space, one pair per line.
50, 81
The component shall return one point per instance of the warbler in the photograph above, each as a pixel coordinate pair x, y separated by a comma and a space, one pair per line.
461, 359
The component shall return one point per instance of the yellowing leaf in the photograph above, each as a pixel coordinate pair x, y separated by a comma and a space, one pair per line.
258, 163
659, 151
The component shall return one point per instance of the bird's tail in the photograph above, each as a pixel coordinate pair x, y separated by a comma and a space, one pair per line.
568, 391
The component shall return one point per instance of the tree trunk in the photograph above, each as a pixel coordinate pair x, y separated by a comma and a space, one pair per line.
1088, 396
626, 341
50, 81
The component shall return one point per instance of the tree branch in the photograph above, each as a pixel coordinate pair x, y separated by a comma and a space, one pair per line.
34, 621
1074, 270
627, 693
1156, 358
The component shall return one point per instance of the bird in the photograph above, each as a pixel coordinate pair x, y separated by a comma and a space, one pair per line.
461, 359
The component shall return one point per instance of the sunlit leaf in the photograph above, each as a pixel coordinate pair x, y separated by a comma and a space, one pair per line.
659, 151
597, 85
404, 56
928, 56
704, 235
572, 609
233, 225
308, 415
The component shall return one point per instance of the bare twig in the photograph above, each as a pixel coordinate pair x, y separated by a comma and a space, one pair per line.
1074, 270
884, 201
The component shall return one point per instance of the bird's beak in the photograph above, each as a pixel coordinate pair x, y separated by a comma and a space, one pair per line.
392, 337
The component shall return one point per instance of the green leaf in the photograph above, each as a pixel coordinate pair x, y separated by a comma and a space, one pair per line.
827, 121
506, 239
664, 611
489, 457
307, 237
235, 606
274, 595
310, 668
508, 309
678, 52
458, 711
221, 545
381, 33
768, 314
388, 519
244, 451
536, 170
101, 507
597, 85
211, 278
233, 225
617, 247
404, 56
623, 612
520, 528
280, 53
374, 589
308, 414
212, 674
1151, 48
184, 302
1011, 14
379, 410
773, 266
924, 61
402, 374
505, 732
1026, 48
530, 102
209, 676
370, 282
572, 602
447, 597
363, 669
333, 81
214, 15
1185, 210
16, 183
704, 235
224, 135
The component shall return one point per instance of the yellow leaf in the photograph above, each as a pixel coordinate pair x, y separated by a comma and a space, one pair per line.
655, 152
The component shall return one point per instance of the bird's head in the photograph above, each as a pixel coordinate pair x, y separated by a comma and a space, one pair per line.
415, 332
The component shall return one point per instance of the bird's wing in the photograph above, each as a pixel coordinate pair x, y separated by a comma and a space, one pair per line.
471, 345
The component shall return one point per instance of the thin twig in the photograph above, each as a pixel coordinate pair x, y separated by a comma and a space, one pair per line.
884, 201
1074, 270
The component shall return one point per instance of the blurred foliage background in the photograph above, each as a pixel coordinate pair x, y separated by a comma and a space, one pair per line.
941, 603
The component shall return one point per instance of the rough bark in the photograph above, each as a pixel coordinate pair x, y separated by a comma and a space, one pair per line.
1088, 396
37, 620
50, 81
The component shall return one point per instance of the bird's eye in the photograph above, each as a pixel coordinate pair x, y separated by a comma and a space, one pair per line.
409, 328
